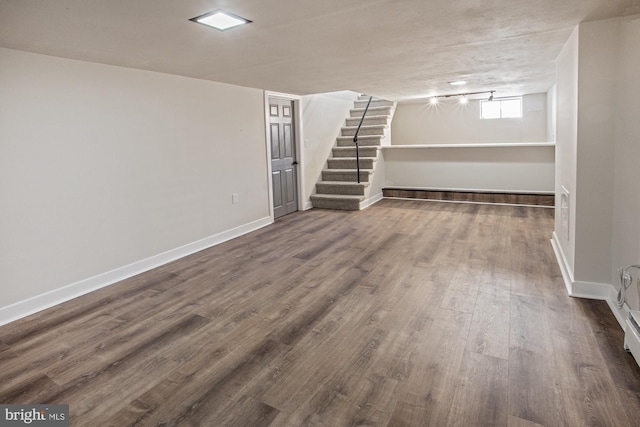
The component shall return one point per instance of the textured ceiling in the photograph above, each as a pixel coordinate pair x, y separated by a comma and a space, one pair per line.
395, 49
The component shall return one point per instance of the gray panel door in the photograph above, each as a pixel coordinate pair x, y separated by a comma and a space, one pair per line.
283, 157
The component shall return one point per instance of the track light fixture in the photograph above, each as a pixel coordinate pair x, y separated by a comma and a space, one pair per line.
434, 99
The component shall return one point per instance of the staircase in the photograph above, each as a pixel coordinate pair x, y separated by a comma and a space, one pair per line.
338, 188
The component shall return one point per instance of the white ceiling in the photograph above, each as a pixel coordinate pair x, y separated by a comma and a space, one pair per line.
395, 49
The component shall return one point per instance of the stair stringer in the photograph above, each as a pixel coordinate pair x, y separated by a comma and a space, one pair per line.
373, 192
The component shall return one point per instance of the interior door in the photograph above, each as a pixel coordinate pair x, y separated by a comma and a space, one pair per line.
283, 157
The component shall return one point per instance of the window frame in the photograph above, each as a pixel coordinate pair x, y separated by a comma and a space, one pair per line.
511, 98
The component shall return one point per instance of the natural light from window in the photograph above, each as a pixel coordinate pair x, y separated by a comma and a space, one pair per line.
507, 108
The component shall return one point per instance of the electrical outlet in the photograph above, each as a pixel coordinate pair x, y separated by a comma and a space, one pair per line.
234, 198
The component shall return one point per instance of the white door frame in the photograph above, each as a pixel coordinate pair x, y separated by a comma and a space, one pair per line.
297, 128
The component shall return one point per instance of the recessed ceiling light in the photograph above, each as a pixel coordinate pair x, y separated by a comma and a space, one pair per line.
458, 83
220, 20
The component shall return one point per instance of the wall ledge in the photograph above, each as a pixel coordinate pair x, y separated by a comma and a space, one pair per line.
49, 299
478, 145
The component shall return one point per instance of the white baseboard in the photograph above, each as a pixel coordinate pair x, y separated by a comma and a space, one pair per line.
567, 273
370, 201
49, 299
590, 290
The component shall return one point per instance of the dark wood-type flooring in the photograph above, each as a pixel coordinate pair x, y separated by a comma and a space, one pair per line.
408, 313
472, 196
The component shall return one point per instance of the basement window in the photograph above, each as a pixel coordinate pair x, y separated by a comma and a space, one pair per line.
505, 108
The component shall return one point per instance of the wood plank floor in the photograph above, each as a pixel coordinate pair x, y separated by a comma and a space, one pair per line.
409, 313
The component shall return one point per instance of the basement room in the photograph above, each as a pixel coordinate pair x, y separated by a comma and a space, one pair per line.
303, 213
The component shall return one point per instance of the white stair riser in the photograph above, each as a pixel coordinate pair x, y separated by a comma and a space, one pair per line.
366, 163
374, 130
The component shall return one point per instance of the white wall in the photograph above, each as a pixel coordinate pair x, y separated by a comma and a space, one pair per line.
449, 122
567, 143
626, 202
597, 63
552, 103
598, 152
323, 116
516, 169
102, 166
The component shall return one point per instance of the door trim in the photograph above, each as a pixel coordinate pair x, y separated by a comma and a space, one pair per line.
298, 132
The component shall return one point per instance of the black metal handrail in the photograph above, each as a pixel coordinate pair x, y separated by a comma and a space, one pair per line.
355, 139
